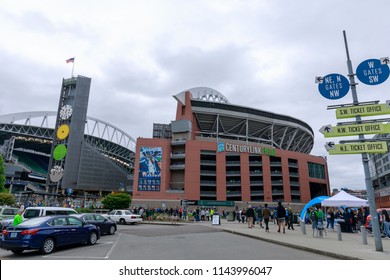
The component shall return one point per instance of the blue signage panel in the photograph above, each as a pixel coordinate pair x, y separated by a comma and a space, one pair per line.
372, 72
334, 86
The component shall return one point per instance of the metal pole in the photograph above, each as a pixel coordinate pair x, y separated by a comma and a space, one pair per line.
364, 235
370, 190
338, 230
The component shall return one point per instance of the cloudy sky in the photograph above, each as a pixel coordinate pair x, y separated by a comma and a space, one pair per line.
263, 54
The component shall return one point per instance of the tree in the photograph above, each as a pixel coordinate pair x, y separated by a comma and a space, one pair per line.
7, 199
117, 201
2, 175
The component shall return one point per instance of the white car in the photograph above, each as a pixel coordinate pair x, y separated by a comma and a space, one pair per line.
124, 217
39, 211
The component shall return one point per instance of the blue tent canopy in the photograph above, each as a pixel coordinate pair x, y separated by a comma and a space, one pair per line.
314, 201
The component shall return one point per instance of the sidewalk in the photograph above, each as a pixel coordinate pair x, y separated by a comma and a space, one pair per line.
351, 246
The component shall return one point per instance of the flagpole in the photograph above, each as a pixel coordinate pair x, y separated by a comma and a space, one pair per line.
73, 67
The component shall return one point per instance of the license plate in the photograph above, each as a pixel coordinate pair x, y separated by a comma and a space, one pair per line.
13, 234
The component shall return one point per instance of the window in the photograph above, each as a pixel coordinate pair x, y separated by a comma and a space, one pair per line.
74, 222
59, 222
89, 218
10, 211
99, 218
316, 170
31, 213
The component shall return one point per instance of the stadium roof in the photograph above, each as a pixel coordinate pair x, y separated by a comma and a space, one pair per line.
217, 117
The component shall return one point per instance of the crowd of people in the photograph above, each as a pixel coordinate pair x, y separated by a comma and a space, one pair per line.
263, 215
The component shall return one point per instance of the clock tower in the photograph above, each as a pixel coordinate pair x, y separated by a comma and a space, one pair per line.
68, 135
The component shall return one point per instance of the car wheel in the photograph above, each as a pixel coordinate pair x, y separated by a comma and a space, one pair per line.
17, 251
92, 238
122, 221
112, 230
47, 246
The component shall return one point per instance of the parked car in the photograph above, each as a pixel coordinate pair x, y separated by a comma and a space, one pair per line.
7, 212
105, 224
38, 211
368, 224
47, 233
124, 217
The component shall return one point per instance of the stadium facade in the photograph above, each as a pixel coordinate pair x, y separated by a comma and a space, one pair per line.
217, 153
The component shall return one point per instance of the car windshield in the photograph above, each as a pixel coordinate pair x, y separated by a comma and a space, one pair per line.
128, 213
31, 213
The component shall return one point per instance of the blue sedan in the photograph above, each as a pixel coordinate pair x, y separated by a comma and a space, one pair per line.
47, 233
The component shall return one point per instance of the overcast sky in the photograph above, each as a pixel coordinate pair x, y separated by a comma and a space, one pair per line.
262, 54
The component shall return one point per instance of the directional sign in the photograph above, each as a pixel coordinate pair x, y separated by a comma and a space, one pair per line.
373, 72
333, 86
363, 111
379, 147
354, 129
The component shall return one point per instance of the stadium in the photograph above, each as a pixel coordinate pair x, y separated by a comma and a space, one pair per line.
65, 157
219, 154
213, 154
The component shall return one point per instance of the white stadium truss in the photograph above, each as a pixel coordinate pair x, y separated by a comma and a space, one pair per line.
102, 135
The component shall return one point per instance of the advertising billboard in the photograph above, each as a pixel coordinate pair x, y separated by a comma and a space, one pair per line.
149, 176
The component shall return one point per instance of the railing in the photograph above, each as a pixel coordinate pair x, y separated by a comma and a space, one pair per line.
233, 183
205, 161
174, 191
233, 162
178, 155
256, 183
207, 172
178, 142
208, 182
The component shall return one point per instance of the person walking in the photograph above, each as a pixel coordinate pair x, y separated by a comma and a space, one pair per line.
250, 215
386, 223
281, 216
330, 219
266, 212
243, 215
259, 212
290, 219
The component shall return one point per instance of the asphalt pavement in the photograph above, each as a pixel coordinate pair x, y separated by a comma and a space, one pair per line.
350, 247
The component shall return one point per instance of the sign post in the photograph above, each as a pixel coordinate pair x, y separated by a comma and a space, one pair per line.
369, 187
335, 86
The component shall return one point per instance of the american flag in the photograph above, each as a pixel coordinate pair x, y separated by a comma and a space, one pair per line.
70, 60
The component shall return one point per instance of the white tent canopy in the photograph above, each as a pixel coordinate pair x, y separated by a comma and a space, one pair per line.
344, 199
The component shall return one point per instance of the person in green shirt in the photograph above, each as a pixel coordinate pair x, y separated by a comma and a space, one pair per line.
18, 218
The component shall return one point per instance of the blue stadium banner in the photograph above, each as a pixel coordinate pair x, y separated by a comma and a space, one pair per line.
149, 176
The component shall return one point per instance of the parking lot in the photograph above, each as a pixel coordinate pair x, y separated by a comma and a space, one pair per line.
165, 241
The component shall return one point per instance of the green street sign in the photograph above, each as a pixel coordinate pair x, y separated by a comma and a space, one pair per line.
354, 129
363, 111
379, 147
